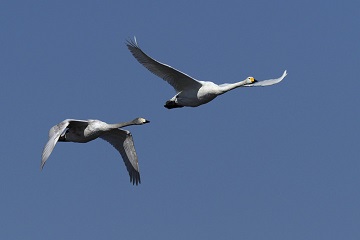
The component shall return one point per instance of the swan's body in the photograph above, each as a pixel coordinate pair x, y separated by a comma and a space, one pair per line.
82, 131
189, 91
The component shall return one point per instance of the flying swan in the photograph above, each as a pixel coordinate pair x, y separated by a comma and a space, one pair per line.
82, 131
189, 91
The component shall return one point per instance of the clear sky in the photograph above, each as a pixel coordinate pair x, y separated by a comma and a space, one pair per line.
279, 162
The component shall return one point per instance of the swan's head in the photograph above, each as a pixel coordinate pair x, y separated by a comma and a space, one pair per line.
250, 80
140, 120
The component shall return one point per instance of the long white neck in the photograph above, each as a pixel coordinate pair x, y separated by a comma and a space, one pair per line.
122, 124
230, 86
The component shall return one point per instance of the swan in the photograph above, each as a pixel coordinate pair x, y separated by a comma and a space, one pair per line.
82, 131
189, 91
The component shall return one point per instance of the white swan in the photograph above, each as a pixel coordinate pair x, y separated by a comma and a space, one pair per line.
83, 131
189, 91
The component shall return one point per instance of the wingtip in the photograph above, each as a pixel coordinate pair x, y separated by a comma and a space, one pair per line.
42, 165
135, 180
132, 43
284, 75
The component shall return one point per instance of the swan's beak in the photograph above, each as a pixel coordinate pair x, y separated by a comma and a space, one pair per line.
255, 81
147, 121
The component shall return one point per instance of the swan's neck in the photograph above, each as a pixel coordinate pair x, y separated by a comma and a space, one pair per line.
230, 86
120, 125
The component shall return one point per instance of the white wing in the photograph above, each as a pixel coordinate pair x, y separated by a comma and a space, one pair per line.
54, 134
179, 80
123, 142
267, 82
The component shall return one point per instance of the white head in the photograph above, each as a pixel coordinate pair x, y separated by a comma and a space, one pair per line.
250, 80
140, 120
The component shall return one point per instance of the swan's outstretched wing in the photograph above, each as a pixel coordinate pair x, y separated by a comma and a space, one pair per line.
179, 80
54, 134
122, 140
267, 82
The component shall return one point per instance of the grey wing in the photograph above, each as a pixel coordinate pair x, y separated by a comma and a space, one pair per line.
179, 80
267, 82
54, 134
122, 140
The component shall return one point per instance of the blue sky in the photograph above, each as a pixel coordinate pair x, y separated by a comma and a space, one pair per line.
279, 162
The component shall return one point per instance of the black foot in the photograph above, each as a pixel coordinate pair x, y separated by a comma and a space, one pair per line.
170, 105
